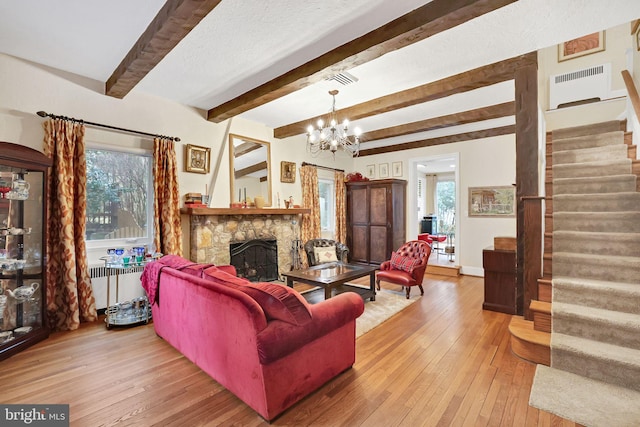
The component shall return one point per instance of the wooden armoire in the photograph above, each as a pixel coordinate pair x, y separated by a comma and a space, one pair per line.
376, 218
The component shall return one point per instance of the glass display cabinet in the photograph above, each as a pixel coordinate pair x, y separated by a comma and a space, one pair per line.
23, 214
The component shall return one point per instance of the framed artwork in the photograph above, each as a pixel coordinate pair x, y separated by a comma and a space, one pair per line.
638, 37
383, 170
197, 159
492, 201
287, 172
585, 45
396, 169
371, 171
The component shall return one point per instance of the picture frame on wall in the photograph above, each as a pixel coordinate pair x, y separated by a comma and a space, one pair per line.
197, 159
383, 170
585, 45
492, 201
371, 171
396, 169
287, 172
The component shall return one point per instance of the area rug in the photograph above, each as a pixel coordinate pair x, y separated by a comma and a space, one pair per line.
387, 304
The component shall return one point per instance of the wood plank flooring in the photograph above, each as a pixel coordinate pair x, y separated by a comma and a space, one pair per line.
442, 361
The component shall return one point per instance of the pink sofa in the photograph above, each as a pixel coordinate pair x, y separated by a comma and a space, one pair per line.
262, 341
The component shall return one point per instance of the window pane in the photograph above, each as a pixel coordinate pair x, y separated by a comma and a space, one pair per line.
446, 195
327, 200
117, 188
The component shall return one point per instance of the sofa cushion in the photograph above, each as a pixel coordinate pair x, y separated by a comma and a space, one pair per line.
325, 254
403, 263
277, 301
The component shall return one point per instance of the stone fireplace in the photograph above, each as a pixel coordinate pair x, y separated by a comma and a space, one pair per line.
209, 232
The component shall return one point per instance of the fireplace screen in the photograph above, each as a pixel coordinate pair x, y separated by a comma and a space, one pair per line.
255, 260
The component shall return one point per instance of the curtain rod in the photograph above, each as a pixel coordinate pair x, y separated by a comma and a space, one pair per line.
322, 167
53, 116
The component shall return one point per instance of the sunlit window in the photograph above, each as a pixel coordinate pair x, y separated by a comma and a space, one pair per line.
119, 196
327, 192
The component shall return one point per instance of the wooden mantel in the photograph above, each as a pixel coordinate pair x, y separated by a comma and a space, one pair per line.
244, 211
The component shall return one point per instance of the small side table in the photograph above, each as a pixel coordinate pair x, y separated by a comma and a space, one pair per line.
128, 313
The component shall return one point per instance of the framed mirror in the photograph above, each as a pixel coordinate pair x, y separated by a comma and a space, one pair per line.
250, 169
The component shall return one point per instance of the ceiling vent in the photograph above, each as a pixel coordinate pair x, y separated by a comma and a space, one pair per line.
343, 78
589, 84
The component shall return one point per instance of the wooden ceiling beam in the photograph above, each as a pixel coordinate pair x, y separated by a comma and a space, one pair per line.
471, 116
245, 148
467, 136
469, 80
419, 24
172, 23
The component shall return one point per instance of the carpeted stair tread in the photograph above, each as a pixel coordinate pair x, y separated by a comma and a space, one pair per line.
596, 360
613, 152
604, 202
591, 184
590, 129
602, 267
595, 168
588, 141
618, 222
598, 324
586, 401
617, 296
606, 243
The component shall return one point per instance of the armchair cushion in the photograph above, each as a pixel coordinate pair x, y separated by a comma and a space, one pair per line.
325, 254
277, 301
404, 263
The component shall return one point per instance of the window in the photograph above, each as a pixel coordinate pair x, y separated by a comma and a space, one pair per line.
446, 197
119, 197
326, 188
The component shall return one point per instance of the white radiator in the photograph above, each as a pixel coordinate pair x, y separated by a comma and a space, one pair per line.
580, 85
129, 285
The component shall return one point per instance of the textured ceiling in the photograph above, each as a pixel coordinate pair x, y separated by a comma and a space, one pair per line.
244, 43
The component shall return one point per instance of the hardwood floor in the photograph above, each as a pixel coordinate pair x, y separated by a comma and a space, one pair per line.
442, 361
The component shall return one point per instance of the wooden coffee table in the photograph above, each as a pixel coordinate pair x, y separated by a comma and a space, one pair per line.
334, 275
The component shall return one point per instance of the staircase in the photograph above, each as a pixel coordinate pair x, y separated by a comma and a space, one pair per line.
531, 340
589, 295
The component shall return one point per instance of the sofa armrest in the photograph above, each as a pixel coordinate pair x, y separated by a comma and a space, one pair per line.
280, 338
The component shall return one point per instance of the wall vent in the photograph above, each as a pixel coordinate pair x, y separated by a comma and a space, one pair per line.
343, 78
588, 84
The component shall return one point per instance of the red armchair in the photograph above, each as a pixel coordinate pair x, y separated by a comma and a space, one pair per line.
406, 266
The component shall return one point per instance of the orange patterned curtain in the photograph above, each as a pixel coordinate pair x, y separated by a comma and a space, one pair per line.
69, 293
310, 226
166, 203
341, 207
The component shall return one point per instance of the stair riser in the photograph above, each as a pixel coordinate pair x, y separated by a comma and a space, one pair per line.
544, 291
542, 322
586, 270
597, 330
585, 171
630, 203
621, 186
610, 126
615, 224
596, 245
597, 298
590, 155
597, 369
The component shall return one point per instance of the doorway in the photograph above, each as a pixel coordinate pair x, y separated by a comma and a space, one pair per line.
434, 197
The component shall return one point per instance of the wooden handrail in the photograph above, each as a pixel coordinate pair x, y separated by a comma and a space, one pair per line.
632, 91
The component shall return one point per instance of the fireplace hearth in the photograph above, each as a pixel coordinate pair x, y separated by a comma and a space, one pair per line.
256, 260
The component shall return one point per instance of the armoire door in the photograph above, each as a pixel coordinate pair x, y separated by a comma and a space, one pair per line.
378, 223
358, 219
